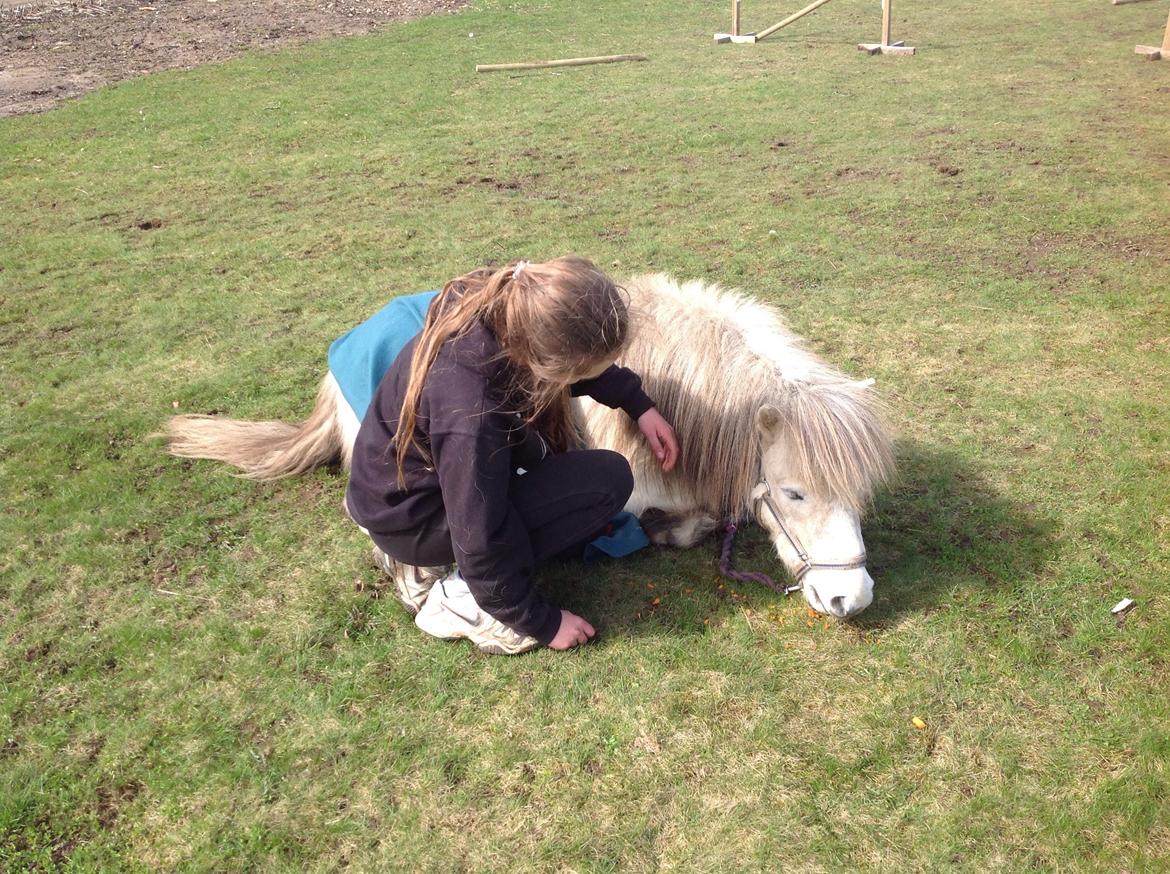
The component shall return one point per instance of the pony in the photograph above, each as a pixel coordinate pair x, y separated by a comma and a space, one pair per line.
767, 431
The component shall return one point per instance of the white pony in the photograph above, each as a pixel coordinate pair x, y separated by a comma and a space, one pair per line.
765, 428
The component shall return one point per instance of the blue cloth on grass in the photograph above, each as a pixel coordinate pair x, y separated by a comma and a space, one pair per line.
359, 358
622, 536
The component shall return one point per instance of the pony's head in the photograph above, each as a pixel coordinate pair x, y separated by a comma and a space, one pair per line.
823, 449
765, 428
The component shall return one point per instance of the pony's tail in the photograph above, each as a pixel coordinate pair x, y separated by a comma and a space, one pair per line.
264, 450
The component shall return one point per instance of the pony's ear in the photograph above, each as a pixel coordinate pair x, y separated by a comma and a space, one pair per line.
768, 420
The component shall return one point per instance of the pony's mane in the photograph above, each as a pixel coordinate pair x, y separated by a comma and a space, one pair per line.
711, 358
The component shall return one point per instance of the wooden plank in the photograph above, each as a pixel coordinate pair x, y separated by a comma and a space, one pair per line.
767, 31
886, 21
564, 62
735, 17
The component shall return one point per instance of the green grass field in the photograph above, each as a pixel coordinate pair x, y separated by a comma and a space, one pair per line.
194, 673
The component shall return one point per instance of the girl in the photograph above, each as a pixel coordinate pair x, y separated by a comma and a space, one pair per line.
482, 391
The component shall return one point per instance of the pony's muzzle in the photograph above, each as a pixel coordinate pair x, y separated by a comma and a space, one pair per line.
840, 593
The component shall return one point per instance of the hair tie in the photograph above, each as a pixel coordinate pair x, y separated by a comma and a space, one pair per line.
520, 265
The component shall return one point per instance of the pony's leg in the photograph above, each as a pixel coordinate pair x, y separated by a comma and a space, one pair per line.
346, 419
665, 528
347, 424
667, 517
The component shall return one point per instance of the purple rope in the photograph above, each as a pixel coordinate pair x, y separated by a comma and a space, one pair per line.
731, 573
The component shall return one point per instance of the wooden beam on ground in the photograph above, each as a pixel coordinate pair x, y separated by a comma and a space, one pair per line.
768, 31
1121, 2
564, 62
1157, 53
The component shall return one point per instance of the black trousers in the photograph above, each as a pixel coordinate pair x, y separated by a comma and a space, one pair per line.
565, 501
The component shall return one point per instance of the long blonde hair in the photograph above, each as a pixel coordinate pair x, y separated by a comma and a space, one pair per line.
553, 320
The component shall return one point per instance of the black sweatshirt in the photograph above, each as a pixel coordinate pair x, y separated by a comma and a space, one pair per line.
476, 441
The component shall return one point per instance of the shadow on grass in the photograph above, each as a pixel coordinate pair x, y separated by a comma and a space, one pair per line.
941, 527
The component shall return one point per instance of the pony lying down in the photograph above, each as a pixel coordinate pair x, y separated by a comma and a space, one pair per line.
766, 430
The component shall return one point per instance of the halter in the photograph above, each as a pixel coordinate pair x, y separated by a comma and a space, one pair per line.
763, 493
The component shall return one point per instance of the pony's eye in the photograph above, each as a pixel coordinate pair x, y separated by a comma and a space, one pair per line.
793, 494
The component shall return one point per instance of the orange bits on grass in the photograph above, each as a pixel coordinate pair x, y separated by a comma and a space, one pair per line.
918, 722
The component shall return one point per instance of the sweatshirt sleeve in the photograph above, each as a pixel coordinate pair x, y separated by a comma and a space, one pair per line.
490, 540
616, 387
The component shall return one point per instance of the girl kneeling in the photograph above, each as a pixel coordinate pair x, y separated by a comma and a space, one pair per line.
480, 394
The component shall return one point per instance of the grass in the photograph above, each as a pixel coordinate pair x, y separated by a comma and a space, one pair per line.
195, 675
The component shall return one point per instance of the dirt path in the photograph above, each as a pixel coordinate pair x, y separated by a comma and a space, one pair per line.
52, 50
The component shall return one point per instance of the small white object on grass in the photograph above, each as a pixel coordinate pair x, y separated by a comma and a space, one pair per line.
1123, 606
722, 38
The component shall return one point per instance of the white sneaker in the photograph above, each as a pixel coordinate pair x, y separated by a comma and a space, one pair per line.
450, 612
412, 583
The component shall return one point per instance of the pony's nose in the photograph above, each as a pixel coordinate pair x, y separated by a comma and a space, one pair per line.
851, 602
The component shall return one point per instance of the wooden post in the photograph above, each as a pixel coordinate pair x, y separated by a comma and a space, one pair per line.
735, 35
885, 47
1156, 53
566, 62
768, 31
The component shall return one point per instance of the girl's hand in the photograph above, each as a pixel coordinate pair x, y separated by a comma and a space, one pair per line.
660, 436
574, 631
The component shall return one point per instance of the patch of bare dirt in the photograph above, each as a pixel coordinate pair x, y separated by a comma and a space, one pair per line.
52, 50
